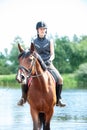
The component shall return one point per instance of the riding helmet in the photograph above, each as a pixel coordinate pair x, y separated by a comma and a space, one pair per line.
41, 24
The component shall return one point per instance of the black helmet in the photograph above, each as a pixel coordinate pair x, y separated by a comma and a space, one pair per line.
41, 24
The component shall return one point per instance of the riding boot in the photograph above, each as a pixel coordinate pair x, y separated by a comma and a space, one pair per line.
24, 95
58, 96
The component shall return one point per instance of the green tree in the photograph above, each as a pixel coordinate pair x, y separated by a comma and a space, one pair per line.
69, 55
14, 54
81, 75
75, 38
4, 67
62, 54
79, 54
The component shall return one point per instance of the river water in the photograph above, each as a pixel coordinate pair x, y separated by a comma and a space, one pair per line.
71, 117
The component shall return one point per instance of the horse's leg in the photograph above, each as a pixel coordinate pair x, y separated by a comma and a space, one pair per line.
47, 121
36, 123
41, 119
46, 126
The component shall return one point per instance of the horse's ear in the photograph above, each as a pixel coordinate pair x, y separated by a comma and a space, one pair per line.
20, 48
32, 48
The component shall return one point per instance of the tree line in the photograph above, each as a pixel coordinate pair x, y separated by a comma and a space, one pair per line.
69, 55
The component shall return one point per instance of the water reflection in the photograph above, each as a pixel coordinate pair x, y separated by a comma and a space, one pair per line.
72, 117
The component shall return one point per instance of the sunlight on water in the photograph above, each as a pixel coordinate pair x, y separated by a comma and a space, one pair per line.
72, 117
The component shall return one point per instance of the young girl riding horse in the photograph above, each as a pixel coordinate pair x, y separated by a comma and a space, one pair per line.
45, 49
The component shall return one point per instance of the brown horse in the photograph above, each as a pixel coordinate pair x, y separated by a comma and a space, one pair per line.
41, 93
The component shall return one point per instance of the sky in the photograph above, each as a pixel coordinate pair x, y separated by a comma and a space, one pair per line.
19, 18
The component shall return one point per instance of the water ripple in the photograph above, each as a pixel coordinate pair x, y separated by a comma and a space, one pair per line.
72, 117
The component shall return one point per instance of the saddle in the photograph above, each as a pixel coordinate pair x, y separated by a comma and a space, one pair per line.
44, 67
53, 73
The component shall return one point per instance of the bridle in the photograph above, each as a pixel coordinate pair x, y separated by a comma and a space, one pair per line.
29, 71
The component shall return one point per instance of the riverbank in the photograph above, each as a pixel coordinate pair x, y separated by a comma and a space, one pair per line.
10, 80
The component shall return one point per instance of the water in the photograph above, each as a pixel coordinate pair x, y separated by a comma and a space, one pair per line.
71, 117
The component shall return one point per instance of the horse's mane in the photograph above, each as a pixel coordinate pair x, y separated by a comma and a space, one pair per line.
41, 62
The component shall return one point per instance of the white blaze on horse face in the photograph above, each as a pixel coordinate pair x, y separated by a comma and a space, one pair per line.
24, 79
18, 77
21, 77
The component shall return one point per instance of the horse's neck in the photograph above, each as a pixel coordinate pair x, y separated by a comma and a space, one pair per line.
37, 68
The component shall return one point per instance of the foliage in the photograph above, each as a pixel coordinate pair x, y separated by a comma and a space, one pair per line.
63, 54
4, 67
8, 80
69, 81
81, 75
68, 54
13, 57
70, 57
9, 63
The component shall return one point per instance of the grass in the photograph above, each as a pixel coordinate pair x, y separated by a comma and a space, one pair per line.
10, 80
69, 81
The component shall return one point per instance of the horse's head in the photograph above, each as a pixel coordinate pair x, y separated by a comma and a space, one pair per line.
27, 62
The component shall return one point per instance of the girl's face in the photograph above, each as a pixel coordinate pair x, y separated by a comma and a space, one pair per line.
41, 32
